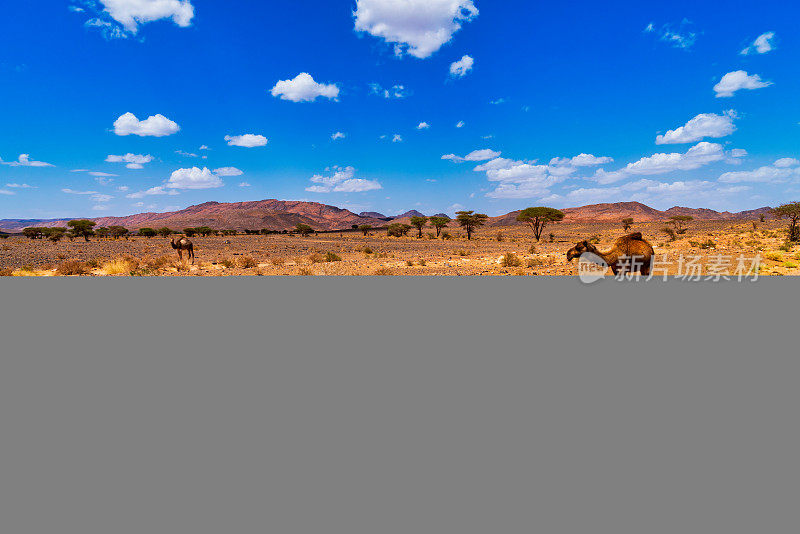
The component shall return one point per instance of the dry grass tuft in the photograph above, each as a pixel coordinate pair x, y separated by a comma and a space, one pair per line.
124, 266
71, 268
246, 262
305, 271
510, 260
383, 271
227, 263
278, 261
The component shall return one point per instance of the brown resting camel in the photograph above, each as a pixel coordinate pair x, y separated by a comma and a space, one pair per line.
183, 244
630, 253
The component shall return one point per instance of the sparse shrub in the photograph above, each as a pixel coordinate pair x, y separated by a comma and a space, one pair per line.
786, 247
421, 262
246, 262
409, 263
431, 235
93, 263
534, 262
366, 250
510, 260
383, 271
500, 238
774, 256
627, 223
61, 256
446, 236
790, 265
71, 267
762, 218
532, 250
461, 252
316, 258
278, 261
594, 239
331, 257
226, 262
707, 244
670, 232
552, 237
305, 271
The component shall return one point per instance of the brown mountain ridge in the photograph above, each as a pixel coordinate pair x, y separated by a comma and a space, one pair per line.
282, 214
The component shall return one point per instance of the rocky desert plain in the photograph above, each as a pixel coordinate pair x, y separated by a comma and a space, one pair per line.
501, 247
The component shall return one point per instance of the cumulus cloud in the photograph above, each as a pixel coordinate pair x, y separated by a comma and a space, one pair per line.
246, 140
133, 161
475, 155
155, 126
338, 135
653, 192
132, 13
582, 160
158, 190
303, 88
194, 178
703, 125
423, 126
342, 180
95, 195
736, 81
25, 160
781, 171
415, 27
460, 68
228, 171
781, 163
761, 45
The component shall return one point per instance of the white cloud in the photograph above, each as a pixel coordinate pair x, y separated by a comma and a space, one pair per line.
460, 68
246, 140
650, 191
228, 171
582, 160
204, 147
703, 125
21, 186
4, 192
699, 155
133, 161
133, 13
678, 37
415, 27
475, 155
423, 126
194, 178
497, 101
737, 80
95, 195
395, 91
155, 126
460, 124
25, 160
761, 45
781, 163
342, 181
244, 184
303, 88
158, 190
397, 138
338, 135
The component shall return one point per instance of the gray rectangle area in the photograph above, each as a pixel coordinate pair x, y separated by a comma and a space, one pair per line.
322, 406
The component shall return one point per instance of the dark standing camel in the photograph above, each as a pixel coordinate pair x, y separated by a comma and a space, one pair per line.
183, 244
630, 253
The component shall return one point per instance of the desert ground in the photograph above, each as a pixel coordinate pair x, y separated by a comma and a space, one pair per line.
494, 251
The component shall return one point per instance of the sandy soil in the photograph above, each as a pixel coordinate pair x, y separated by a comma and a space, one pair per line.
380, 254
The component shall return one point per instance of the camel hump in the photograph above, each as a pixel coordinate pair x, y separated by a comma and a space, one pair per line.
636, 236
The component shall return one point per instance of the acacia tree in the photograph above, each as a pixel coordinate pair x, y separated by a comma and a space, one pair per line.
82, 228
679, 220
303, 229
118, 231
365, 228
102, 232
792, 212
538, 218
164, 232
627, 223
398, 230
190, 232
469, 220
55, 234
439, 222
33, 232
147, 232
419, 223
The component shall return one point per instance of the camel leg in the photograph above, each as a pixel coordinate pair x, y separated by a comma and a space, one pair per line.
191, 254
180, 256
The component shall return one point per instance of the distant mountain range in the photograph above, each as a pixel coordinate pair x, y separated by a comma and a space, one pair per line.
280, 215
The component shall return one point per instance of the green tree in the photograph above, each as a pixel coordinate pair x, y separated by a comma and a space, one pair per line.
118, 231
82, 228
190, 232
102, 232
164, 232
419, 223
147, 232
34, 232
627, 223
469, 220
792, 212
365, 229
204, 231
539, 217
3, 235
55, 234
679, 221
439, 223
398, 230
303, 229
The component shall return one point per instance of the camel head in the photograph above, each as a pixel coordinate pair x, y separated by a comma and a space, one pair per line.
580, 248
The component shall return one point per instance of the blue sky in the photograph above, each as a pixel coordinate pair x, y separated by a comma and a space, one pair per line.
115, 107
